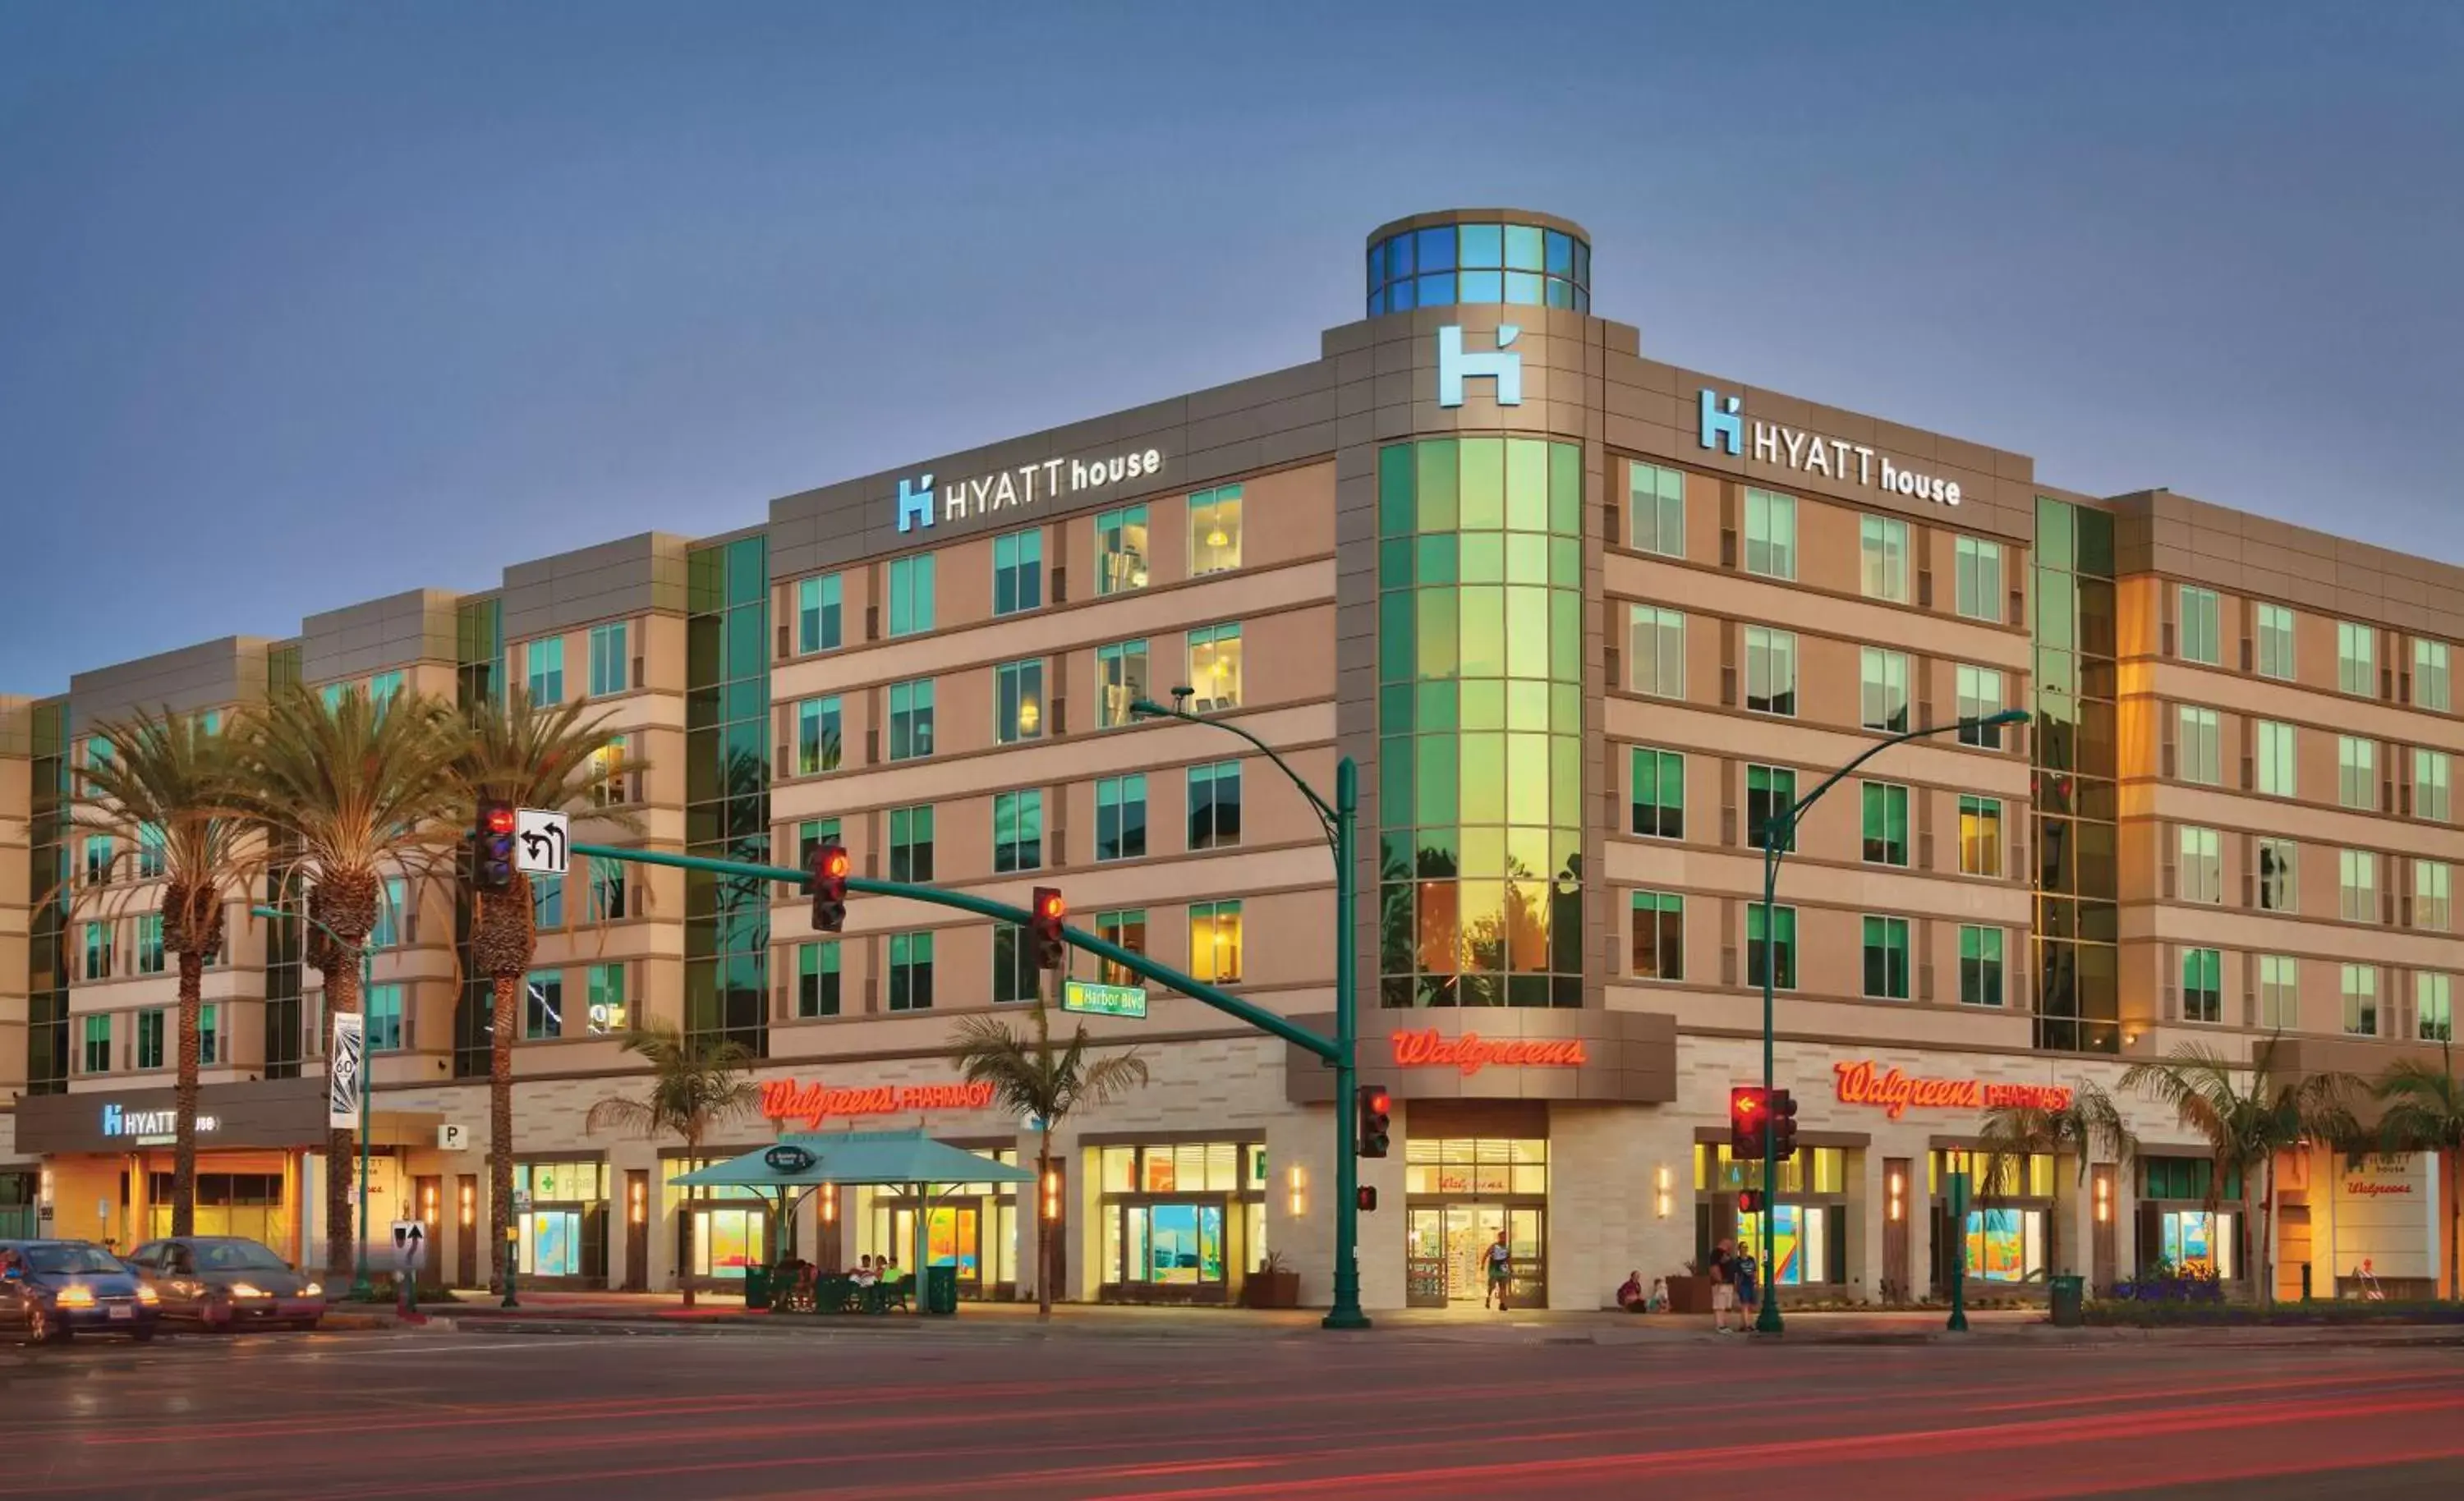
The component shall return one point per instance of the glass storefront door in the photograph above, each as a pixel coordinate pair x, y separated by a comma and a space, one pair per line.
1447, 1253
729, 1237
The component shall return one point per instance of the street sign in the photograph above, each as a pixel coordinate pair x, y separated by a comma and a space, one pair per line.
1091, 999
452, 1138
540, 843
409, 1244
521, 1200
342, 1071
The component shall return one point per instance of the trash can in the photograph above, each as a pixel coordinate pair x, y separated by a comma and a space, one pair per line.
757, 1287
2070, 1297
941, 1291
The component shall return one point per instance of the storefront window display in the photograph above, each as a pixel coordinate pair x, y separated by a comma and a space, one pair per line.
1809, 1227
247, 1205
1462, 1192
563, 1232
2176, 1228
2005, 1233
720, 1230
972, 1226
1183, 1221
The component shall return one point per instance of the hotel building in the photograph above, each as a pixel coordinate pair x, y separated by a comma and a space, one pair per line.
1583, 619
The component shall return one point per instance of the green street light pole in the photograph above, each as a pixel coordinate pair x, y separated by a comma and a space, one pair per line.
1779, 836
362, 1289
1341, 825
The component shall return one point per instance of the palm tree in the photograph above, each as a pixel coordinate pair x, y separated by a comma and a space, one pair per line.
169, 793
2423, 1112
533, 758
356, 788
2090, 1124
2247, 1116
694, 1087
1029, 1079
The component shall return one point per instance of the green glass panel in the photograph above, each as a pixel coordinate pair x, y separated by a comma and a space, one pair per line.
1484, 704
1566, 490
2056, 534
2054, 625
1437, 565
1395, 709
1526, 633
1393, 779
1527, 558
2094, 543
1484, 632
1565, 563
1566, 854
1396, 658
747, 653
1395, 490
1527, 779
706, 579
1565, 709
1394, 563
1565, 636
1526, 704
1527, 484
1433, 484
748, 571
1437, 707
1484, 484
1565, 781
1437, 852
1435, 769
746, 700
1484, 853
1483, 777
1436, 610
1483, 558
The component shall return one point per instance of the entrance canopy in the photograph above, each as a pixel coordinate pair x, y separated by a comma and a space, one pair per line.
852, 1156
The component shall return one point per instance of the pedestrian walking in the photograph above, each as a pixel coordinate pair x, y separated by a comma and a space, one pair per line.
1724, 1287
1501, 1269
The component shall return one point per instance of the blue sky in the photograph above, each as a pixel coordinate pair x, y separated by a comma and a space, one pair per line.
311, 303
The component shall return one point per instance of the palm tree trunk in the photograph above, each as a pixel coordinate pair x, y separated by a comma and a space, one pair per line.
692, 1217
183, 1149
342, 999
2266, 1247
1042, 1227
2454, 1220
505, 994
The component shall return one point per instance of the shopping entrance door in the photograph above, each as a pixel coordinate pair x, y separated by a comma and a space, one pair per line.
1447, 1253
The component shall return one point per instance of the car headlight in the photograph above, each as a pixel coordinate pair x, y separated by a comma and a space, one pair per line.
147, 1296
245, 1290
77, 1294
312, 1290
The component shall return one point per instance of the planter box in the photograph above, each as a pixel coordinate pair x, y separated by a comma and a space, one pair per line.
1272, 1289
1689, 1295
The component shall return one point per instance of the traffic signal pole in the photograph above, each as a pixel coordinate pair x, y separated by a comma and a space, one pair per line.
1346, 1312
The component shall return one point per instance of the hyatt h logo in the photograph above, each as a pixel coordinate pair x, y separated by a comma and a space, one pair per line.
1454, 366
1723, 425
914, 503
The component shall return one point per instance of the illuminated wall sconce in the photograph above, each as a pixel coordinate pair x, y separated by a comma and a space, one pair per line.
1297, 1177
468, 1210
1898, 1206
637, 1207
830, 1203
1660, 1201
2104, 1200
1053, 1195
428, 1204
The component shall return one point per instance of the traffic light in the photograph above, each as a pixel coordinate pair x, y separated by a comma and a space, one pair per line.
1749, 1200
1783, 1124
1377, 1107
1045, 912
826, 875
492, 847
1365, 1197
1749, 1118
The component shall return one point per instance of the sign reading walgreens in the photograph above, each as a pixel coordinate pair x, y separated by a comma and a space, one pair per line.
785, 1100
1896, 1093
1471, 1052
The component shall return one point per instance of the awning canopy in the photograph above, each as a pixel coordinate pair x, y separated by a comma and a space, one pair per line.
852, 1156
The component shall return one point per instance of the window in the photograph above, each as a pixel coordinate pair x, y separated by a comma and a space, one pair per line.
1121, 673
1018, 831
1770, 670
2280, 1006
547, 657
2279, 759
393, 912
1655, 513
1885, 822
97, 859
543, 1003
1659, 795
331, 694
97, 1044
2430, 675
2357, 772
911, 595
1015, 975
910, 845
150, 943
911, 971
817, 735
1121, 818
153, 851
606, 890
2202, 865
1771, 796
2357, 880
1215, 666
1978, 595
2429, 769
98, 950
1123, 930
2355, 658
2279, 887
150, 1037
608, 776
817, 979
1214, 530
2201, 752
1215, 806
1770, 535
610, 668
1783, 946
1018, 702
1215, 941
209, 1035
608, 1013
2198, 634
2361, 1000
1017, 571
1883, 691
548, 901
2432, 885
1979, 697
384, 1018
817, 613
2433, 1007
1887, 958
1883, 559
1980, 967
2202, 986
1980, 836
1121, 549
387, 686
1655, 651
1659, 935
2274, 641
911, 719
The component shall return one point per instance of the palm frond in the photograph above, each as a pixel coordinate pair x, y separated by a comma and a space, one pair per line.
354, 786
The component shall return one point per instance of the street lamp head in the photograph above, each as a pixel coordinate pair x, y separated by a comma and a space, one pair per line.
2009, 716
1146, 708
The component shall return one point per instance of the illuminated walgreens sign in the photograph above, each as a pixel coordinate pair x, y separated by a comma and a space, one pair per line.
786, 1101
1723, 426
1471, 1052
1895, 1093
920, 503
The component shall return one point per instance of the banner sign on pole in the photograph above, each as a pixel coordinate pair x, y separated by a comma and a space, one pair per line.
343, 1063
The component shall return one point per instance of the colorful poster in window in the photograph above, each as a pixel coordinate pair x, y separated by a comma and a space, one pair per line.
1790, 1250
1997, 1245
2191, 1240
552, 1243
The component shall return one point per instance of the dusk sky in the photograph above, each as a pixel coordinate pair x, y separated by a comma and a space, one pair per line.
306, 304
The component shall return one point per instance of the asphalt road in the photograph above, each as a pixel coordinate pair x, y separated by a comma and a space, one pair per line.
1281, 1414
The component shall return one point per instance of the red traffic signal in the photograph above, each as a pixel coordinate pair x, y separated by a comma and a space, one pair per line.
492, 847
1373, 1119
1783, 1124
1045, 910
498, 817
1749, 1200
826, 876
1365, 1198
1748, 1122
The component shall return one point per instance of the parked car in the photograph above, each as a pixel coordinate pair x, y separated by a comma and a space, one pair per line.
53, 1288
223, 1282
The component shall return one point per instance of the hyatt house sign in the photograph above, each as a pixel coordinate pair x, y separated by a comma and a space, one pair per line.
1722, 426
921, 503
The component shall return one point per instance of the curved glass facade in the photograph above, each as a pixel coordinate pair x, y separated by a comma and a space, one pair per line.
1523, 264
1479, 718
